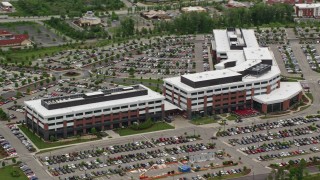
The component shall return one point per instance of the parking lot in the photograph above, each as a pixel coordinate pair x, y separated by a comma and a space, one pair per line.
312, 56
39, 34
268, 142
162, 152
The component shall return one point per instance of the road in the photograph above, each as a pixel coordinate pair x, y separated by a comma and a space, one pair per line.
30, 18
311, 77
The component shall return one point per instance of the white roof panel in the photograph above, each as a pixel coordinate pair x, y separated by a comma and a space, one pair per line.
217, 74
286, 91
41, 110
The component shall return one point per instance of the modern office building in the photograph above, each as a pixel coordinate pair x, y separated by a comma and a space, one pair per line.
76, 114
246, 76
307, 10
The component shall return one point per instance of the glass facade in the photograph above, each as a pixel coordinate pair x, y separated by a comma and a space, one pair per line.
274, 107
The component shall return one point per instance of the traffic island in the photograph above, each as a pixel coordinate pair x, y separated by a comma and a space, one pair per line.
12, 172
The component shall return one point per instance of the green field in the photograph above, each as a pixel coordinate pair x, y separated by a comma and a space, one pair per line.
63, 7
5, 173
32, 54
42, 144
203, 120
312, 177
156, 127
231, 117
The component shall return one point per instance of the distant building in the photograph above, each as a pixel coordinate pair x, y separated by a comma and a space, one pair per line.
155, 14
235, 4
307, 10
6, 6
193, 9
292, 2
9, 39
89, 19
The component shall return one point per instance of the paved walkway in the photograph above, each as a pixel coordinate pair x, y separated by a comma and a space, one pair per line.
112, 134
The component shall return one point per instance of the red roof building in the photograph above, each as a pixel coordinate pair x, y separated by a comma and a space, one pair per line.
9, 39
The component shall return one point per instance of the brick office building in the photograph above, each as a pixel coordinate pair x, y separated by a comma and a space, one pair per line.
246, 76
307, 10
76, 114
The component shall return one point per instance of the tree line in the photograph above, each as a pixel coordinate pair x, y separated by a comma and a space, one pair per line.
87, 33
65, 7
257, 15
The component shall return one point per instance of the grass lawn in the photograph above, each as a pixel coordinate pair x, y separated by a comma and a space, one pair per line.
203, 120
42, 144
33, 54
305, 107
155, 81
312, 177
156, 89
231, 117
156, 127
5, 173
232, 176
310, 96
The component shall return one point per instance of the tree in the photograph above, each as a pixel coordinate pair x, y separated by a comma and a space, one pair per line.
14, 160
219, 174
131, 72
114, 16
93, 130
3, 116
3, 164
28, 90
127, 27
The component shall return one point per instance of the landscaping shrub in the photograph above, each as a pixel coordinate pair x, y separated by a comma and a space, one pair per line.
15, 173
145, 125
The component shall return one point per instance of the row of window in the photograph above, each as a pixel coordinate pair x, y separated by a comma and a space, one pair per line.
218, 105
226, 88
104, 110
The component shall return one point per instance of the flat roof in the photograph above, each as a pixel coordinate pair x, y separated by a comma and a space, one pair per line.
286, 91
94, 93
313, 5
208, 75
222, 42
245, 65
169, 106
6, 4
233, 55
250, 38
274, 70
193, 8
44, 112
257, 53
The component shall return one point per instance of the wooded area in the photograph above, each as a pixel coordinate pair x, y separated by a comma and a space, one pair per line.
88, 33
259, 14
65, 7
